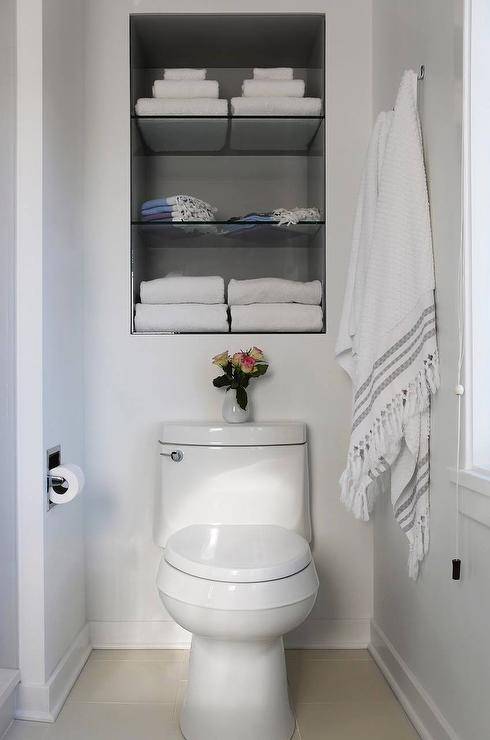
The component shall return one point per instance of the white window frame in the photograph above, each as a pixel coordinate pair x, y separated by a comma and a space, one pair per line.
475, 475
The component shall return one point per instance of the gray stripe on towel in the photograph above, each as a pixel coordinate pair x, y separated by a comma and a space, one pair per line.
392, 377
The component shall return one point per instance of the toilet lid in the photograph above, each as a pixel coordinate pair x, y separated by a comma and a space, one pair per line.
237, 553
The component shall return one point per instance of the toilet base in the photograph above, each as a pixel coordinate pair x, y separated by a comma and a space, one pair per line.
237, 691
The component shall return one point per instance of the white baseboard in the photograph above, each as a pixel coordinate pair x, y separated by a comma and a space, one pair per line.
43, 702
9, 680
315, 633
426, 717
330, 634
162, 635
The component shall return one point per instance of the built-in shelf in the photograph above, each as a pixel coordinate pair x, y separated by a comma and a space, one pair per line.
238, 164
222, 233
229, 134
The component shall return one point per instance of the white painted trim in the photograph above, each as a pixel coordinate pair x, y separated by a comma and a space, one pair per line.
9, 680
474, 480
162, 635
424, 714
43, 702
29, 341
315, 633
330, 634
474, 497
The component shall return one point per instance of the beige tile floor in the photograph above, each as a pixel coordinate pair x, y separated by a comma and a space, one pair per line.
136, 695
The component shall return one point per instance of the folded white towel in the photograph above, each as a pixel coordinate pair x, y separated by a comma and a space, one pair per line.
273, 88
183, 289
190, 107
180, 317
276, 106
184, 74
185, 89
274, 290
273, 73
287, 317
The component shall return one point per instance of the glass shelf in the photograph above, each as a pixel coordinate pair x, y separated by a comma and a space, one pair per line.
267, 234
245, 135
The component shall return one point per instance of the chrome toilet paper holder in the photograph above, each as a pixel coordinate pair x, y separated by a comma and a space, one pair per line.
56, 480
53, 459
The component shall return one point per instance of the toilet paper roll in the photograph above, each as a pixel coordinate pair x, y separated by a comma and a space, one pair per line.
75, 479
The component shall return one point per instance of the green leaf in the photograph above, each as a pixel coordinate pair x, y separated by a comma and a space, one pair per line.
222, 381
241, 397
260, 370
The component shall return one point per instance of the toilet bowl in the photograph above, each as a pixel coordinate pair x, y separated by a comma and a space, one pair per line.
238, 589
233, 523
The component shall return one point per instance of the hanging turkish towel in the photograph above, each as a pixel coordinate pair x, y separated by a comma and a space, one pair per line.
387, 339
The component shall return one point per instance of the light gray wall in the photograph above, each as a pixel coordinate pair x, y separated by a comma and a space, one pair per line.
134, 383
63, 120
8, 571
439, 627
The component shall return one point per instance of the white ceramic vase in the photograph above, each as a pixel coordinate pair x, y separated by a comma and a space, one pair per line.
232, 412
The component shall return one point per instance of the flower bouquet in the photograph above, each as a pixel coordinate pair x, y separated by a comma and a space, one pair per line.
238, 369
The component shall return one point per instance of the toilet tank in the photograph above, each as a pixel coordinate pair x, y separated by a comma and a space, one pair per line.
233, 474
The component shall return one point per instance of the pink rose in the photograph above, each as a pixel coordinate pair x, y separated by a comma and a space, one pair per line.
256, 353
247, 364
237, 359
221, 360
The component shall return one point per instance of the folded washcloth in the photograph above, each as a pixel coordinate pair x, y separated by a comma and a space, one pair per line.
276, 106
184, 208
176, 107
190, 317
274, 290
151, 210
254, 218
273, 88
170, 201
161, 216
286, 317
289, 216
184, 74
183, 289
273, 73
185, 89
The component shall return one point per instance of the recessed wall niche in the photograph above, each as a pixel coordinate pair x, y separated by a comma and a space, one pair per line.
239, 164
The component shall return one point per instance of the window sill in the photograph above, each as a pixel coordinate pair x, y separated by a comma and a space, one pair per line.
475, 494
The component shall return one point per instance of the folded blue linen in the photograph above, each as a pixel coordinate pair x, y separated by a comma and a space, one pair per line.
157, 202
157, 209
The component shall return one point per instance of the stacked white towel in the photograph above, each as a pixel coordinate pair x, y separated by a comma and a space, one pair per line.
273, 73
184, 74
180, 317
275, 92
271, 317
274, 290
275, 304
183, 92
183, 289
177, 303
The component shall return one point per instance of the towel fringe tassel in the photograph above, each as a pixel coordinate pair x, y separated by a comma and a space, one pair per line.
366, 461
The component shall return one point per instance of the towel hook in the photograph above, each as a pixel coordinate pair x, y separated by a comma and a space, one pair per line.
421, 74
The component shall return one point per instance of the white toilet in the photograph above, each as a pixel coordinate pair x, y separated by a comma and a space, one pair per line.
236, 569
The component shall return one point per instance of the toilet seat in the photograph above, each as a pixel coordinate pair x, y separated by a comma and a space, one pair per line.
235, 597
237, 553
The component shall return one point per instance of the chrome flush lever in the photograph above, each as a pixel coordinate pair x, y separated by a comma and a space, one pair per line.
176, 455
